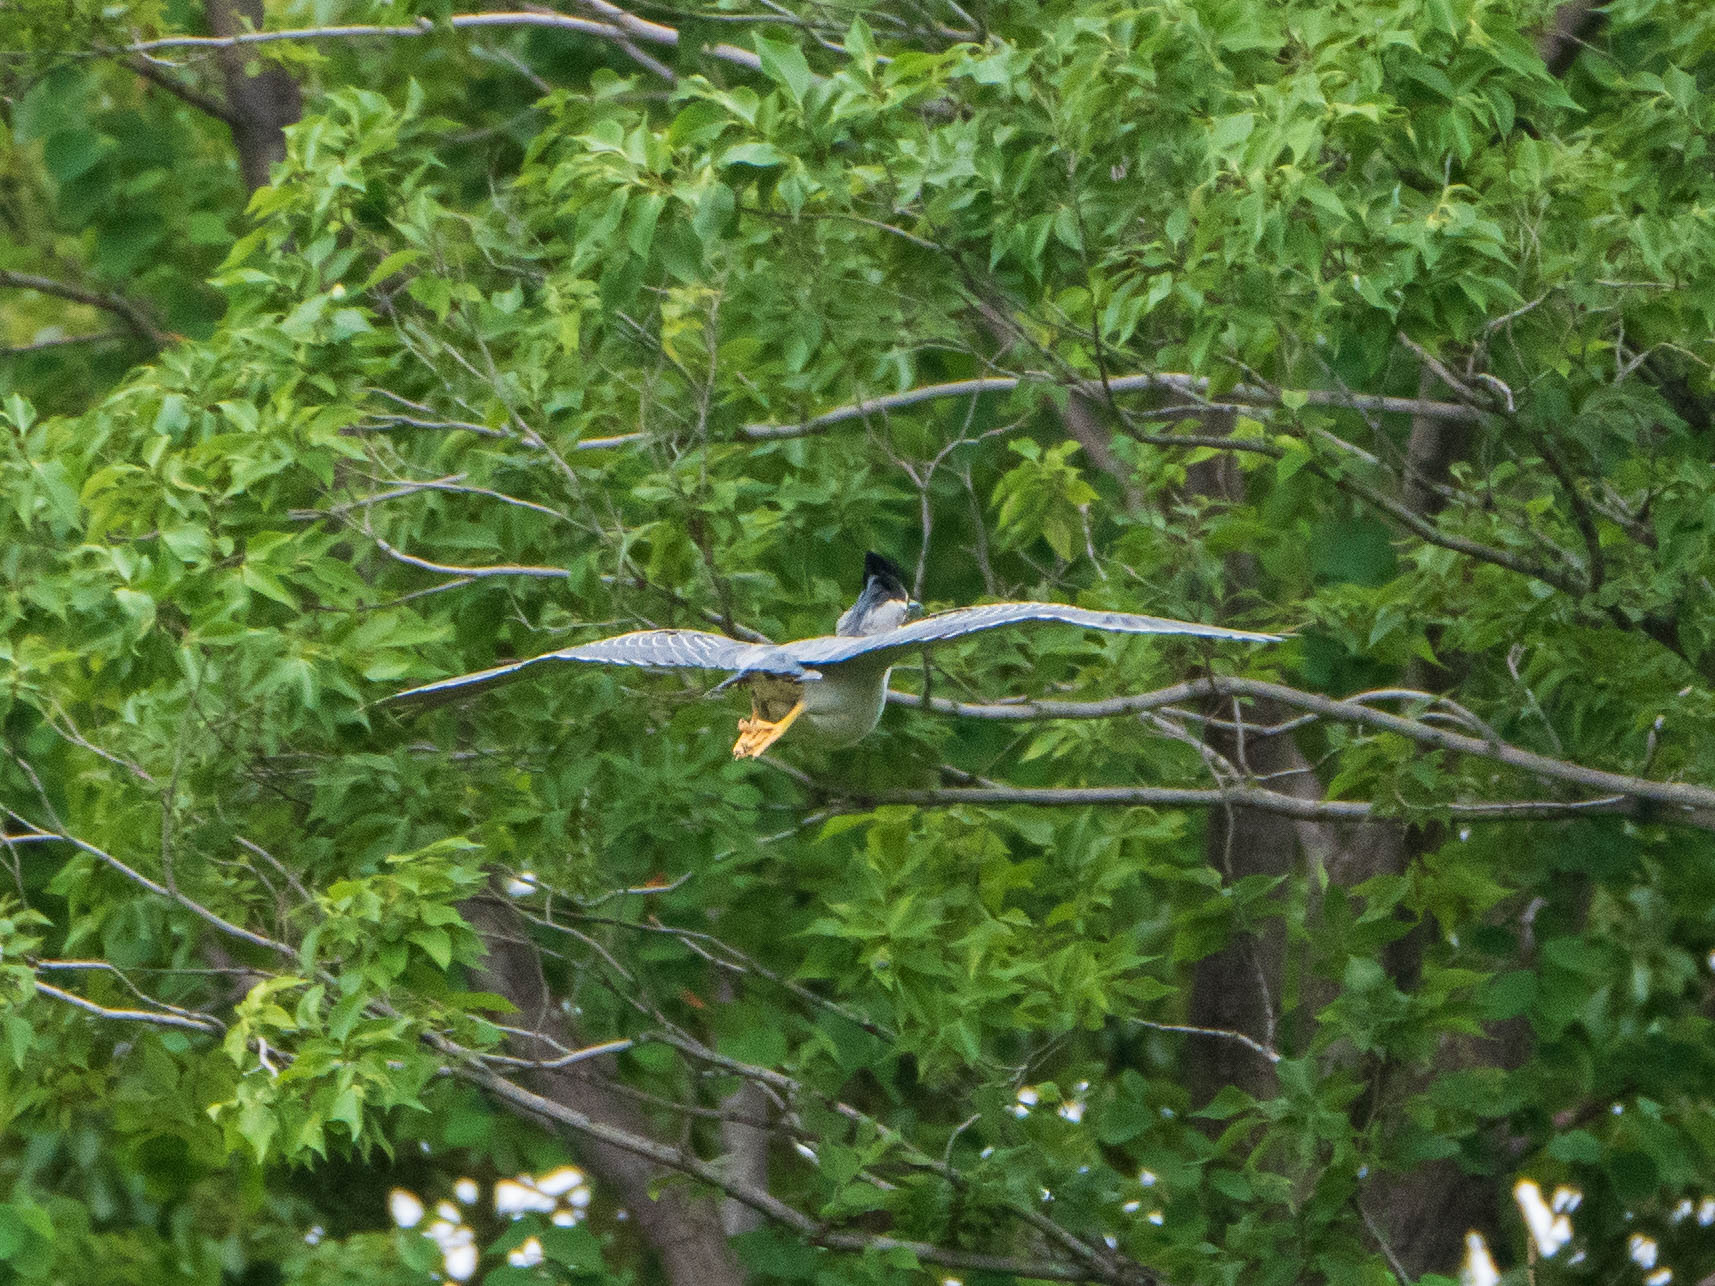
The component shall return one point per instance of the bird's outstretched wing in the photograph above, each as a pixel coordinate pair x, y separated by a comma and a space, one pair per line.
944, 626
654, 649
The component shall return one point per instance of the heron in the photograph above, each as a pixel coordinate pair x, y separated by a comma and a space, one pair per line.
834, 684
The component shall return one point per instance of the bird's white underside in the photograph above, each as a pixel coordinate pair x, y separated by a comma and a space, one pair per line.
845, 705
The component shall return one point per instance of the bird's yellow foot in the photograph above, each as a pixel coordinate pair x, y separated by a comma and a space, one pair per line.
756, 734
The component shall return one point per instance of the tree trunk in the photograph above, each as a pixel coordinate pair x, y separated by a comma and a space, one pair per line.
1424, 1214
681, 1227
261, 99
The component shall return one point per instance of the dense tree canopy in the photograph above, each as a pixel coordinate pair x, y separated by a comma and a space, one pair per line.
407, 340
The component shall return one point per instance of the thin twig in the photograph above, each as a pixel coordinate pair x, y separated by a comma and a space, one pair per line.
564, 1060
102, 966
1249, 1042
474, 573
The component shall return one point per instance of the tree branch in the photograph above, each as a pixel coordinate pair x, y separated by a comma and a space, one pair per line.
723, 956
786, 1090
473, 573
205, 103
1219, 1033
1253, 797
63, 341
1243, 394
452, 484
1675, 794
130, 1015
160, 890
131, 314
771, 1207
681, 1226
619, 29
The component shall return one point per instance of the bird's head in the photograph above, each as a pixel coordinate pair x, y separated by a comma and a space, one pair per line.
884, 604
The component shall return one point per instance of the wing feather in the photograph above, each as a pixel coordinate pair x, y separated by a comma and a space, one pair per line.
956, 624
652, 649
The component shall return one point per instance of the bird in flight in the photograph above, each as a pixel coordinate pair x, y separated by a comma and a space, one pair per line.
836, 683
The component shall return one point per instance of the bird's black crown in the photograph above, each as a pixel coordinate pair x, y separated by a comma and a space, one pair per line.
882, 573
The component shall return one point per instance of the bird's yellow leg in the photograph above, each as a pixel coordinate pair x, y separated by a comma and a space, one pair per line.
756, 734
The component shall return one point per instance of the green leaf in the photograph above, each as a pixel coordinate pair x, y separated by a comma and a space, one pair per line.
1294, 459
761, 155
1227, 132
1123, 1121
392, 264
1228, 1103
1509, 994
265, 582
860, 44
347, 1108
69, 154
575, 1247
785, 65
1577, 1147
436, 943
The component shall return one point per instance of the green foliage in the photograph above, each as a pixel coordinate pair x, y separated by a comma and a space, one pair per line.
482, 373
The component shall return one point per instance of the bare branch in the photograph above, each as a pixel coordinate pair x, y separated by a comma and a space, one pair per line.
771, 1207
784, 1090
623, 19
102, 966
137, 877
507, 58
206, 971
1439, 369
602, 444
567, 1059
1399, 1269
1427, 530
129, 1015
206, 103
1243, 394
400, 488
1267, 801
130, 313
63, 341
1400, 511
384, 422
621, 28
1677, 794
474, 573
1105, 1264
1221, 1033
725, 956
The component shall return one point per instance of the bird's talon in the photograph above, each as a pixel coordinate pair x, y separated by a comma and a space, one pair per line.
756, 734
